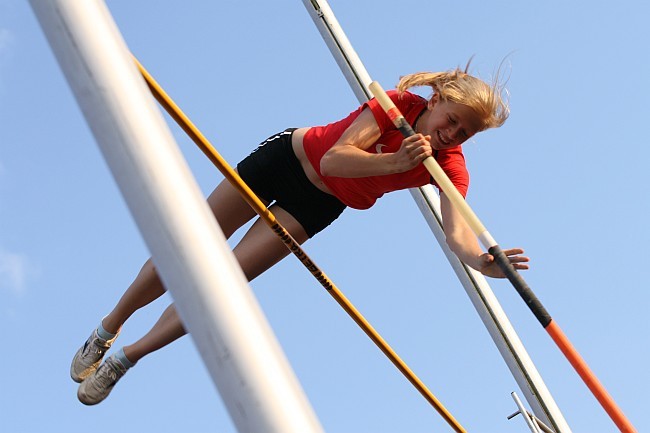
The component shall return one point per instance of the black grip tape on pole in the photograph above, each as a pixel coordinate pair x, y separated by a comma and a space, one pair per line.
520, 285
404, 127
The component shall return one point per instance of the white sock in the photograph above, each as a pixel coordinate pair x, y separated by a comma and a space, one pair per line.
123, 359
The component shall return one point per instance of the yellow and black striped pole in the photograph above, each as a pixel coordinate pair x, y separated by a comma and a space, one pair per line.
231, 175
457, 200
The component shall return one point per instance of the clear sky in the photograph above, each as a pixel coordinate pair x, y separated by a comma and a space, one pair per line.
566, 178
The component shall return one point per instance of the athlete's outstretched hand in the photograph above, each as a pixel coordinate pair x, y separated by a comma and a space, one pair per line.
489, 267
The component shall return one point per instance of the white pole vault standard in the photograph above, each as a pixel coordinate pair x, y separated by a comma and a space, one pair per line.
211, 293
485, 302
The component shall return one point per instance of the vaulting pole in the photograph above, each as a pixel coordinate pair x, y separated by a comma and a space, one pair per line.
441, 178
475, 284
267, 216
210, 291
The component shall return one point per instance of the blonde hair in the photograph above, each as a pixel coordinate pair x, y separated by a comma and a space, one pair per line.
458, 86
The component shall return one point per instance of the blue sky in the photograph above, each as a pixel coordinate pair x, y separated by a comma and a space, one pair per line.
565, 178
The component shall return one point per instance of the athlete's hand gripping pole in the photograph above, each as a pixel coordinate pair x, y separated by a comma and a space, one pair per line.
508, 269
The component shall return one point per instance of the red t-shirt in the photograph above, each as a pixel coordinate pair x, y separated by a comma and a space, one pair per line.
362, 193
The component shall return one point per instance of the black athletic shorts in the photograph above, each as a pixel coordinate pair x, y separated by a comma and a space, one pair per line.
273, 172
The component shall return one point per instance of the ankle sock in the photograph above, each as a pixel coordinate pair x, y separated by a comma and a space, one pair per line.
123, 359
104, 334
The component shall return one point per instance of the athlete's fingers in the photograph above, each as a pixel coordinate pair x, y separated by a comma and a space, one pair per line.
518, 259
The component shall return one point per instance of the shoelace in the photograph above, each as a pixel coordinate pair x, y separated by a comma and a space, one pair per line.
107, 375
94, 349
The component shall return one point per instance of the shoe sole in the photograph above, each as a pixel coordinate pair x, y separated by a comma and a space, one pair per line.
82, 398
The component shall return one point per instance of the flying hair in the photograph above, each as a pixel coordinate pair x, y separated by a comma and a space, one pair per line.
489, 101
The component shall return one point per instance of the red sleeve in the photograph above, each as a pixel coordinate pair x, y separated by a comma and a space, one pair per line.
380, 115
403, 103
452, 161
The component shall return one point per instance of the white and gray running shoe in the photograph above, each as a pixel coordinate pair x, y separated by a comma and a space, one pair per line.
97, 386
89, 356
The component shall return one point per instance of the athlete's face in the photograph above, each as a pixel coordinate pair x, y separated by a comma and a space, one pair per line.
449, 124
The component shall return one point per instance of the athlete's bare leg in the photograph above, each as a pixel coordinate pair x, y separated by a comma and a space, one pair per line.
231, 212
258, 250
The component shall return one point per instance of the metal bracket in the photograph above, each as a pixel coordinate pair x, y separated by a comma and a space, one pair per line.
534, 424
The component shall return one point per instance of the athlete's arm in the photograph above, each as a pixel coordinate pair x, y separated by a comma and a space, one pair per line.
348, 158
463, 243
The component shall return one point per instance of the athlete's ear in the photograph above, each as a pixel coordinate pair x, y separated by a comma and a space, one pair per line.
433, 101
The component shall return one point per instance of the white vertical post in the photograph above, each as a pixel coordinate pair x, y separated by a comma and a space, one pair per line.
211, 293
476, 287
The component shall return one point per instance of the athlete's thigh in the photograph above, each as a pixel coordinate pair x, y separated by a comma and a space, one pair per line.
229, 208
261, 248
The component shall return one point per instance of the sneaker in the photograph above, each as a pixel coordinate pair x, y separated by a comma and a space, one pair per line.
97, 386
89, 356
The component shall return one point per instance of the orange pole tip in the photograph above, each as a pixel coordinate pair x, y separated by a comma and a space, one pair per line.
590, 379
